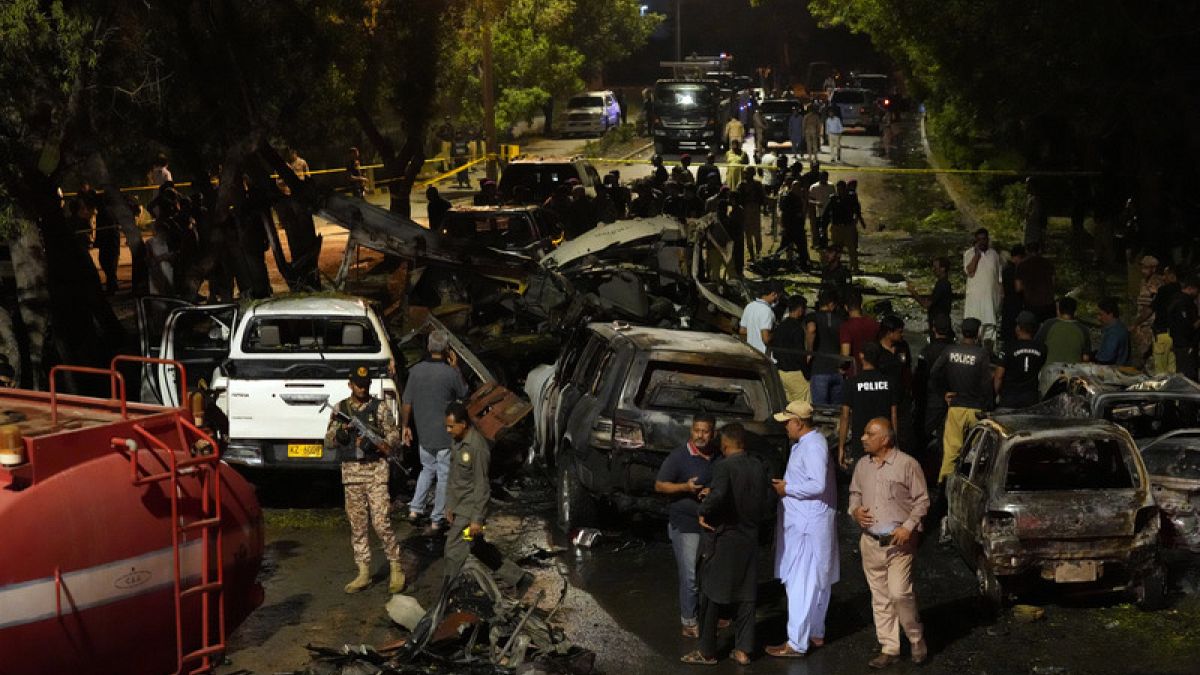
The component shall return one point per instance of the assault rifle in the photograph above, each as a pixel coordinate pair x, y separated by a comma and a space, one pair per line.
366, 433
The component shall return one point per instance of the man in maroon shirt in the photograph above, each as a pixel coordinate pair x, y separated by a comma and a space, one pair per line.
857, 330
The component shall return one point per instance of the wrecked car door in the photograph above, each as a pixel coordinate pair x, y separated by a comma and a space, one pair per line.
552, 391
593, 433
966, 490
573, 391
197, 337
152, 314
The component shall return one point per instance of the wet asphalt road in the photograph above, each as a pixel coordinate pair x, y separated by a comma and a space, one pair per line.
621, 602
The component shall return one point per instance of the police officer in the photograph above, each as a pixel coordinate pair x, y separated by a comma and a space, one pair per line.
964, 373
467, 495
365, 477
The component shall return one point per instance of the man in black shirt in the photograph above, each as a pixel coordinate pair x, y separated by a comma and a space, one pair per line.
708, 169
821, 339
1184, 327
869, 394
788, 348
964, 372
929, 401
1016, 380
940, 300
436, 209
1164, 298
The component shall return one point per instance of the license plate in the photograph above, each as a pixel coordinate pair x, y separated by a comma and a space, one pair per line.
309, 450
1074, 572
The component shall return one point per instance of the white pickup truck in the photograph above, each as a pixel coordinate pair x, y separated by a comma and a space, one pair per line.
269, 365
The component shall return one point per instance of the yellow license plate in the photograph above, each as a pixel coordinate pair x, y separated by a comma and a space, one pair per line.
311, 450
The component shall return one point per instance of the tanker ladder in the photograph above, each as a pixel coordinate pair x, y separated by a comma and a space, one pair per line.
205, 467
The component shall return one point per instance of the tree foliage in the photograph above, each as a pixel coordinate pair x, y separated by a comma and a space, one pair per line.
542, 50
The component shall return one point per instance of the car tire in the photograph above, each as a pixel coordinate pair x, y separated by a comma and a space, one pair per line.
990, 587
1150, 593
576, 507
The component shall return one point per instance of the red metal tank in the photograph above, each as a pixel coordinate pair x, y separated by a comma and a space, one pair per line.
129, 547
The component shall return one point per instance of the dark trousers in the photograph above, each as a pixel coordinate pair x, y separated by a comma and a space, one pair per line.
743, 626
1186, 362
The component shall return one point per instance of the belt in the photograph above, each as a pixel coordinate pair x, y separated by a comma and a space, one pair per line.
881, 539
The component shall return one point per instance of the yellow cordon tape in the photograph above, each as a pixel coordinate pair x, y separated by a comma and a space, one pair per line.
507, 152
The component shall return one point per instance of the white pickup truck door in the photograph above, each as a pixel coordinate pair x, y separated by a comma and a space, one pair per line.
196, 336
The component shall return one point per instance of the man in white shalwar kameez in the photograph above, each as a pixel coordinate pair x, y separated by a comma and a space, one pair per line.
982, 265
806, 550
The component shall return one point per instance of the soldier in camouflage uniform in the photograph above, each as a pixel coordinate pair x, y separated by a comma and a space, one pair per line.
365, 477
467, 495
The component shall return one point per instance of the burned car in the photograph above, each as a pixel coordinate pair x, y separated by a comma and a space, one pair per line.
1173, 461
620, 398
1039, 499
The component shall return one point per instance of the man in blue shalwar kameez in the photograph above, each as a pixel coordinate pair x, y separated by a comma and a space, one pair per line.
806, 550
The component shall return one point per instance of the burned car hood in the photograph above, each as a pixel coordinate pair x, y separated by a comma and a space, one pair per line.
622, 233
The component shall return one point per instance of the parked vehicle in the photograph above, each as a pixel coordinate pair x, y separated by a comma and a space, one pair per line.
857, 108
269, 367
1038, 499
541, 175
592, 113
776, 112
688, 115
1173, 461
513, 229
877, 83
620, 398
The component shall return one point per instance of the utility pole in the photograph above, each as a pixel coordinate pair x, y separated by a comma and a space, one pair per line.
489, 94
678, 30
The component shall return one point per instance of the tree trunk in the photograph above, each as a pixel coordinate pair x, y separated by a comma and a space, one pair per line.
33, 297
8, 344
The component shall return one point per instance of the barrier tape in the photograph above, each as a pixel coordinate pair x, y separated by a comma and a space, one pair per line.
508, 152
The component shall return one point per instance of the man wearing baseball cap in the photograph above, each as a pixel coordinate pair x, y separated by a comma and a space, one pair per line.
806, 550
365, 476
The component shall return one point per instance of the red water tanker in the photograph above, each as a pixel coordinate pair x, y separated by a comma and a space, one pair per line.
128, 546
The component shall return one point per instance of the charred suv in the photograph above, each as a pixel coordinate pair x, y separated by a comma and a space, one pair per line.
1067, 501
620, 398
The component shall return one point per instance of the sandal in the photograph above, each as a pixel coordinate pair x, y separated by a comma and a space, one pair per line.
741, 657
697, 659
690, 631
785, 651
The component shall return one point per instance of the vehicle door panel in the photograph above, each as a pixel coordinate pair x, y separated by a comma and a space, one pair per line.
974, 493
152, 314
960, 492
590, 405
553, 390
572, 391
198, 337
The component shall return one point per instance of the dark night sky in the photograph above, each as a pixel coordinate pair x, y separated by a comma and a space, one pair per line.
754, 35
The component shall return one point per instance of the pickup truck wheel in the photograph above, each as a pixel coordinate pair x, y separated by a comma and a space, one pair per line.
576, 508
990, 587
1150, 593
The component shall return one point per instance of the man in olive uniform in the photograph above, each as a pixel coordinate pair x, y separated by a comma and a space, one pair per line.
365, 477
467, 495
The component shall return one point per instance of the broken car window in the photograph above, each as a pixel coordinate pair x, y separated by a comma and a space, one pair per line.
1152, 417
1174, 458
1067, 464
728, 392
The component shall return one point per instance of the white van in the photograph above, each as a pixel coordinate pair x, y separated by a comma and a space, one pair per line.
592, 113
270, 366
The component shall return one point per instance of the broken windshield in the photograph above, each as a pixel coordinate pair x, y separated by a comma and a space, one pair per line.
1064, 464
728, 392
1151, 417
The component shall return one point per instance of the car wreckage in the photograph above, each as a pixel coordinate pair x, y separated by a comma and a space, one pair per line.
1038, 499
1162, 415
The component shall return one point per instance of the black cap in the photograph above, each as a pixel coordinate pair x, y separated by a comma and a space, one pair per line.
361, 375
1026, 316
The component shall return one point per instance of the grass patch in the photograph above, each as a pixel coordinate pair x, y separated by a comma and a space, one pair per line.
304, 519
612, 141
